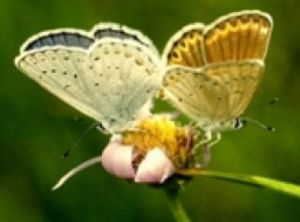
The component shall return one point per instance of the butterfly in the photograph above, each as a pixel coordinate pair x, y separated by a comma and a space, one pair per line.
109, 73
213, 71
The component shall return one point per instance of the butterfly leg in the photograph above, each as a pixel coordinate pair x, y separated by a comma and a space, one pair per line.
205, 138
206, 157
215, 138
136, 130
202, 148
209, 140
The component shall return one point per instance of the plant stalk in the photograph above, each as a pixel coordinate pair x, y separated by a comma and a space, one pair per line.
176, 207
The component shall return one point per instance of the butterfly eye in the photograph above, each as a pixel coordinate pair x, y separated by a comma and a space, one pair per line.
101, 128
238, 123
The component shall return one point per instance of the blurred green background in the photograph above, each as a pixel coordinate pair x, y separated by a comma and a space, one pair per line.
36, 128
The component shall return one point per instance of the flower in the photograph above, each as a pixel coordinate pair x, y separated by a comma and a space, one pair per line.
150, 153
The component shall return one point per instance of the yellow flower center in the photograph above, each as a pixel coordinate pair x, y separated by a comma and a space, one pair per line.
160, 131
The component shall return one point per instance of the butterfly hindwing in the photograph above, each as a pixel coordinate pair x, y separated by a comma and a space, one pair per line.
248, 77
240, 81
124, 76
214, 94
191, 91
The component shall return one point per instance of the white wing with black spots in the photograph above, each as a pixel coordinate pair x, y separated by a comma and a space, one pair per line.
109, 73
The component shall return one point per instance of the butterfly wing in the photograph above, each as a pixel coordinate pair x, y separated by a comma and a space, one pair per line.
213, 95
188, 91
55, 60
238, 37
235, 37
108, 74
240, 81
186, 47
122, 32
125, 74
232, 50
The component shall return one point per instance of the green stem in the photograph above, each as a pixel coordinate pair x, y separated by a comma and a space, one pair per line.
176, 207
258, 181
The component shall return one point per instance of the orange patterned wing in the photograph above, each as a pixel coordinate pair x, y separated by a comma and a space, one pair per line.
186, 47
237, 37
214, 71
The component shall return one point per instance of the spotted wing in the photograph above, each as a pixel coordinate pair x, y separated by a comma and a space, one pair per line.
124, 75
55, 60
214, 94
122, 32
238, 37
186, 47
108, 74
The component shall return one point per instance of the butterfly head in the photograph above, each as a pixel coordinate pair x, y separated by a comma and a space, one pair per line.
222, 126
118, 122
238, 123
234, 124
114, 125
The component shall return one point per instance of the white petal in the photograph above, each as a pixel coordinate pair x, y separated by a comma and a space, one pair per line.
76, 170
155, 168
117, 160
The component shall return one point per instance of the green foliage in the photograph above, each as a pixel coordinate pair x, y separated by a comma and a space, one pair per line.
36, 128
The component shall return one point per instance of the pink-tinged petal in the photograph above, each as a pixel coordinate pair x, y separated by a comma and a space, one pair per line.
156, 167
117, 160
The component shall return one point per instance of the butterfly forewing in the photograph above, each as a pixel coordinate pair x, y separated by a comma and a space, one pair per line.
185, 47
122, 32
109, 74
58, 37
237, 37
59, 68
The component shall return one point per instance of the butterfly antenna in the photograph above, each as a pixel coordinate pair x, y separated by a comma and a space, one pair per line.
76, 170
68, 152
273, 101
246, 120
